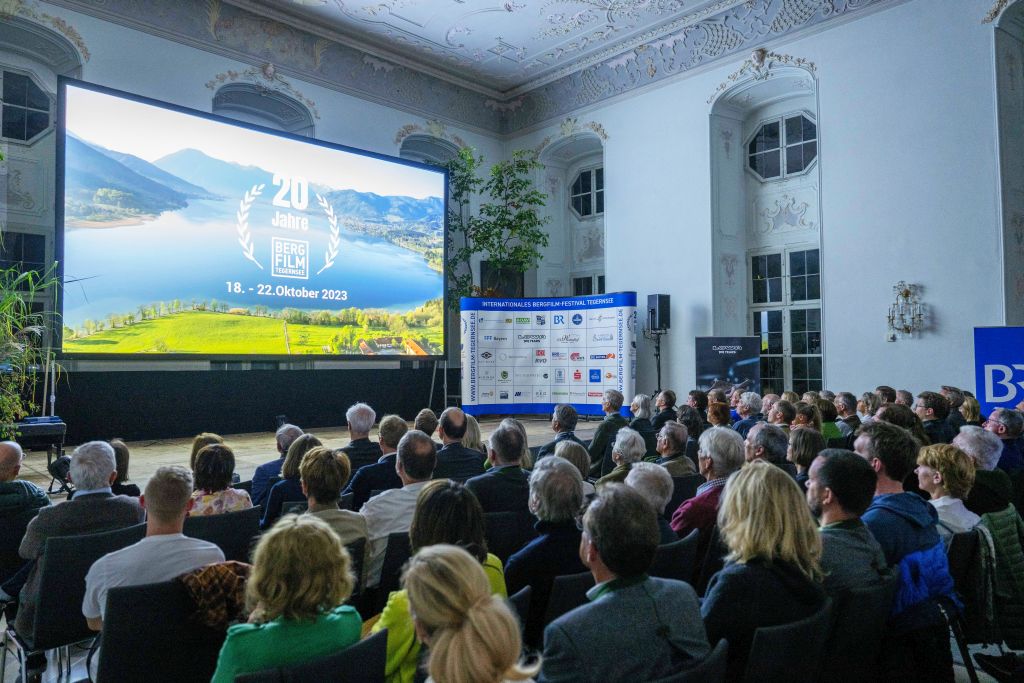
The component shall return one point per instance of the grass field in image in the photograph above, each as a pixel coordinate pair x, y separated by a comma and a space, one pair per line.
206, 332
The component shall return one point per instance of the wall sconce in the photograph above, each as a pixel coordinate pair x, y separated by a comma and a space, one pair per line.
906, 314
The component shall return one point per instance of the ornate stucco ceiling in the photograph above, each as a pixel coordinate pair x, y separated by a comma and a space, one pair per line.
498, 46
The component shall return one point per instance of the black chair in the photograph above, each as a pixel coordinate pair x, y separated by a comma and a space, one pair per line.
58, 619
357, 551
683, 488
508, 532
711, 669
855, 644
520, 603
360, 663
711, 552
244, 486
346, 500
676, 560
149, 635
12, 530
567, 593
232, 532
396, 555
790, 652
294, 507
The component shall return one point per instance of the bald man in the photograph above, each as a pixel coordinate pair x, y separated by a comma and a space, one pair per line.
455, 461
16, 494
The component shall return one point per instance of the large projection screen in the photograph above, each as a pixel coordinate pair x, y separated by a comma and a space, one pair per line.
182, 234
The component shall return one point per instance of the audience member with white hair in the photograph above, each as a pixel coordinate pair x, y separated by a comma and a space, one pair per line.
640, 407
16, 495
578, 456
655, 484
673, 438
992, 490
749, 409
720, 454
360, 450
629, 448
286, 434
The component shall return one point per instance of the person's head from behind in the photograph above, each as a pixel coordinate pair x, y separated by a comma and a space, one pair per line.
284, 436
945, 470
620, 533
299, 570
168, 496
840, 483
827, 409
807, 417
526, 460
426, 421
564, 418
717, 396
214, 466
640, 406
93, 466
452, 424
765, 441
763, 514
199, 441
868, 404
890, 450
885, 393
576, 454
472, 439
697, 399
360, 418
611, 401
448, 512
653, 482
790, 396
11, 457
749, 404
391, 430
804, 447
323, 474
672, 438
970, 409
629, 447
556, 490
691, 419
904, 397
472, 635
417, 457
930, 405
298, 449
121, 457
505, 446
719, 453
718, 414
982, 446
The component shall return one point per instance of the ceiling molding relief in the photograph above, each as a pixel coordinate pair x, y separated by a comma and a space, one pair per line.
433, 128
31, 11
265, 77
571, 127
997, 10
760, 66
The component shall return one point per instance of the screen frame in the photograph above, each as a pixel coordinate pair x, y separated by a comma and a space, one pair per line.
58, 246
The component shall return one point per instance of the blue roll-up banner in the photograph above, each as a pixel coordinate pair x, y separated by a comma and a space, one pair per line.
528, 355
998, 367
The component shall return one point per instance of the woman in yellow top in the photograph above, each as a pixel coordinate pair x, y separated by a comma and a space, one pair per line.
446, 512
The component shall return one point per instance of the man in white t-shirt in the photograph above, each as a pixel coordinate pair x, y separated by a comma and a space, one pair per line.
162, 555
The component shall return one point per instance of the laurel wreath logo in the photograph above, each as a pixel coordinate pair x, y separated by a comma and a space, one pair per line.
332, 246
242, 216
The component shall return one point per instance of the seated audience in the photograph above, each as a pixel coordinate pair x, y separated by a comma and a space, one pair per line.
577, 455
782, 415
810, 396
698, 400
1007, 424
289, 489
946, 474
734, 405
665, 403
563, 423
199, 442
472, 438
455, 461
629, 448
718, 415
472, 635
840, 486
446, 512
827, 395
933, 409
426, 422
556, 496
381, 475
992, 490
121, 487
717, 395
720, 454
286, 434
971, 412
641, 423
904, 398
804, 447
885, 394
767, 442
635, 628
904, 525
360, 450
955, 420
323, 474
807, 417
16, 495
505, 487
655, 485
768, 402
772, 573
695, 425
215, 464
903, 416
611, 404
526, 461
391, 511
92, 508
790, 397
867, 406
301, 577
846, 412
749, 409
829, 416
672, 442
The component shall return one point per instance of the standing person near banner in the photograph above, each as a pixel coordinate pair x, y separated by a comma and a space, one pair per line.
600, 453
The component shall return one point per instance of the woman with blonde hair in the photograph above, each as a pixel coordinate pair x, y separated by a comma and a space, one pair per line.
289, 488
472, 634
772, 574
807, 417
472, 438
301, 575
946, 474
804, 446
971, 410
577, 454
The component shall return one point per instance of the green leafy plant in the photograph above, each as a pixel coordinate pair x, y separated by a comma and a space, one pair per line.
507, 228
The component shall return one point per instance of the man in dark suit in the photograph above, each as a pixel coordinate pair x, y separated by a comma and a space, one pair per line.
563, 423
381, 475
665, 631
604, 437
933, 409
455, 461
1007, 424
846, 409
506, 486
665, 402
360, 450
92, 509
286, 434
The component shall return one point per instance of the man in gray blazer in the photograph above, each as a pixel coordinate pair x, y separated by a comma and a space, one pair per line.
92, 509
635, 628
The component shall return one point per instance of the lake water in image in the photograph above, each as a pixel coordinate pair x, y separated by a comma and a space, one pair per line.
192, 254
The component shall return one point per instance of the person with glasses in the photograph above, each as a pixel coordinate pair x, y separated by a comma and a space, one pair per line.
719, 454
672, 440
1006, 423
933, 409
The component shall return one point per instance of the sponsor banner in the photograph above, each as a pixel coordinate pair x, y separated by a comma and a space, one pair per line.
527, 355
998, 367
734, 359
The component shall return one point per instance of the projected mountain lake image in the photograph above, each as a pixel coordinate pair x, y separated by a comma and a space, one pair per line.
221, 240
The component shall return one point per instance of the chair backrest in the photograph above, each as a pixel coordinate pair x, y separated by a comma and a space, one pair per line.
711, 552
711, 669
676, 560
520, 603
790, 652
345, 503
396, 555
567, 593
508, 532
62, 568
357, 551
683, 488
12, 530
232, 532
244, 485
294, 507
360, 663
149, 635
855, 644
974, 579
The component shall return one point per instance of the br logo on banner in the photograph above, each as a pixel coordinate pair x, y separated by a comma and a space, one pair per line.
999, 367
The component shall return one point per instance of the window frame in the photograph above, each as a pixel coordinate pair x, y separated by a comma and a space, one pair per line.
781, 121
593, 192
50, 111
